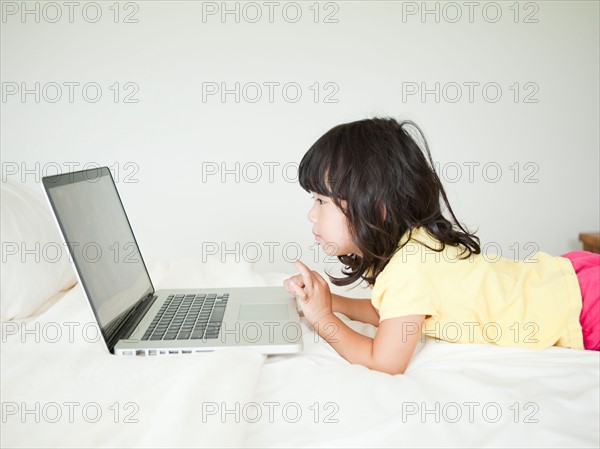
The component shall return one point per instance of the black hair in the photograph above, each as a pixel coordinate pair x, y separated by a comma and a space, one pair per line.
390, 188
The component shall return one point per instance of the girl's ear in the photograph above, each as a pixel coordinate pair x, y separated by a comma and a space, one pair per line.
383, 212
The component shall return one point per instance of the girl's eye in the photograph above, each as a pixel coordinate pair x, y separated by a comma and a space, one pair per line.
321, 202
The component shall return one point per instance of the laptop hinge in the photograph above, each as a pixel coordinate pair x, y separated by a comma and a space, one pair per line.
129, 322
134, 320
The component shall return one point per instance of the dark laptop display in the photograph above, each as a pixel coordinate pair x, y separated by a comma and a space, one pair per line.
100, 241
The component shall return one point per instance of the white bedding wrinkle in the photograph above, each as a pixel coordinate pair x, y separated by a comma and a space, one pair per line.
451, 396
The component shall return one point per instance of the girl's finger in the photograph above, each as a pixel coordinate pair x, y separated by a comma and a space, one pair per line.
299, 292
298, 280
307, 275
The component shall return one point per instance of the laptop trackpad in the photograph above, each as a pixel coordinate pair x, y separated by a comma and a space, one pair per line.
263, 312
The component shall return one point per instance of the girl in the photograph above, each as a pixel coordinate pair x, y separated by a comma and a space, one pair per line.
377, 207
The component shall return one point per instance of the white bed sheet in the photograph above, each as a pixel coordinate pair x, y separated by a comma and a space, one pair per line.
312, 399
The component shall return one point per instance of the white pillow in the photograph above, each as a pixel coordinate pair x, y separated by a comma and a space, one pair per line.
35, 263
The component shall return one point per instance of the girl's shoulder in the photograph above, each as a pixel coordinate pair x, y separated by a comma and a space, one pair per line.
419, 248
417, 239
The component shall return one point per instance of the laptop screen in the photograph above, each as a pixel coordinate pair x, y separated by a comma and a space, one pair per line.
89, 211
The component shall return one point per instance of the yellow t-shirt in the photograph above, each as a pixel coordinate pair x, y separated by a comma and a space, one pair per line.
533, 303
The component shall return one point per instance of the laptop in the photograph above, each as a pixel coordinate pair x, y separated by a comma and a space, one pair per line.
134, 318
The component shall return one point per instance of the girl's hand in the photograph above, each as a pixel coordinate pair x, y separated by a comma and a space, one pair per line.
312, 292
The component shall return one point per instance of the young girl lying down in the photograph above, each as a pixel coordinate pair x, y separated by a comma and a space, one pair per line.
378, 208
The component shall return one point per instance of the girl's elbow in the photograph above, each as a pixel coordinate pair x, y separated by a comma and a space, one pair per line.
389, 368
395, 371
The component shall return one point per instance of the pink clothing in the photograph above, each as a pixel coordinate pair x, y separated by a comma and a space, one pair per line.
587, 268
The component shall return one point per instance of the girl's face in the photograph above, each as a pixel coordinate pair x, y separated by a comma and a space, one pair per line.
330, 227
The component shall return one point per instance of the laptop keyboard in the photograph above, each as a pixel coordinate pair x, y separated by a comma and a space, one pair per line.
184, 317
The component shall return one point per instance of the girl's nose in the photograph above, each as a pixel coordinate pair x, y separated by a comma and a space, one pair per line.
311, 215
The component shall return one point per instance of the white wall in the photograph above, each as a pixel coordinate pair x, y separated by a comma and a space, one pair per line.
372, 54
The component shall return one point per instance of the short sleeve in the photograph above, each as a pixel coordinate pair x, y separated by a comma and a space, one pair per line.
401, 290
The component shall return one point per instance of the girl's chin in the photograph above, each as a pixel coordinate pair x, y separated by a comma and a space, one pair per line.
330, 250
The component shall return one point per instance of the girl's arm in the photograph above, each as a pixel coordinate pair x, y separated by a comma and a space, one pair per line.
391, 349
394, 343
356, 309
